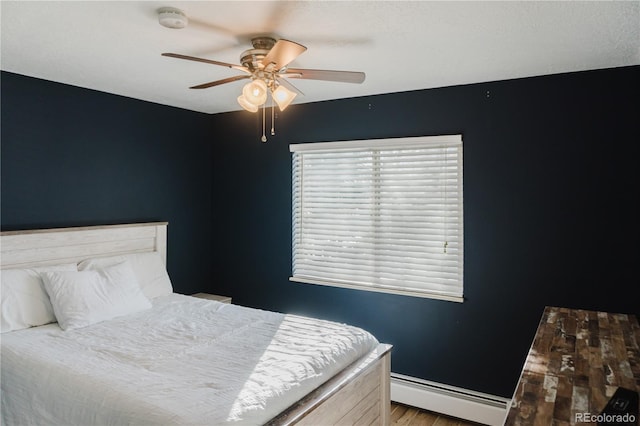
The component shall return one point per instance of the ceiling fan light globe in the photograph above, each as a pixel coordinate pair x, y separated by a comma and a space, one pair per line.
283, 97
246, 104
255, 92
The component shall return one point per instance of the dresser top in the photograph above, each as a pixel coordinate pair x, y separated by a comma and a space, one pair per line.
577, 361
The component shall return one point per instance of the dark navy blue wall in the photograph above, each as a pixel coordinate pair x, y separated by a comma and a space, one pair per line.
550, 182
72, 156
550, 179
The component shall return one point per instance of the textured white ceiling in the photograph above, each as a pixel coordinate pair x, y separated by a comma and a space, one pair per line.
115, 46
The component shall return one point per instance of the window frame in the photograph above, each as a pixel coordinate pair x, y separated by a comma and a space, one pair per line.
395, 144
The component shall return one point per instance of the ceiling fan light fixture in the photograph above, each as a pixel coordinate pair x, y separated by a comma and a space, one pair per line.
283, 97
246, 104
265, 64
255, 92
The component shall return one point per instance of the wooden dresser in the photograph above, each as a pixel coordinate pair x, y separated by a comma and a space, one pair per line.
576, 363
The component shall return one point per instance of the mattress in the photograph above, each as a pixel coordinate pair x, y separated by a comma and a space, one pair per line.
184, 361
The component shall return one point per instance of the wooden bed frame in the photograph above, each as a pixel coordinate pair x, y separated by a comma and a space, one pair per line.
360, 394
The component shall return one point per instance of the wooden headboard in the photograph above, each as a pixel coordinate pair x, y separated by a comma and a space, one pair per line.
38, 247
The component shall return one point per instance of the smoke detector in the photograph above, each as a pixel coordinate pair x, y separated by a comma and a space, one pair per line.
171, 17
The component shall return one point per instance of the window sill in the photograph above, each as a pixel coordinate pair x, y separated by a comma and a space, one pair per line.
412, 293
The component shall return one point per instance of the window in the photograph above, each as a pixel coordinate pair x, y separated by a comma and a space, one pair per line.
380, 215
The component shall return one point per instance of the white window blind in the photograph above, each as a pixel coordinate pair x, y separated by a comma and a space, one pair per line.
381, 215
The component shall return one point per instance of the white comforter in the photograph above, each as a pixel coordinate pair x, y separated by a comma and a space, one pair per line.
185, 361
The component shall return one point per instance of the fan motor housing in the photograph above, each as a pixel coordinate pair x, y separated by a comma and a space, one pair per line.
263, 42
252, 58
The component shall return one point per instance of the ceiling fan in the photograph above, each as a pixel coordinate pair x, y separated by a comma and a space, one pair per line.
267, 66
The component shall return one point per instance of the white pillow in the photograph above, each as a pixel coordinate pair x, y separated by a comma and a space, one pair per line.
25, 302
83, 298
148, 267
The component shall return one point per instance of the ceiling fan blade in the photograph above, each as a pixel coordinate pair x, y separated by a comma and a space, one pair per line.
289, 86
282, 53
219, 82
207, 61
328, 75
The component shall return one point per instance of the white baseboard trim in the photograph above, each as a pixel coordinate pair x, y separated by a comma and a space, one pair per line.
449, 400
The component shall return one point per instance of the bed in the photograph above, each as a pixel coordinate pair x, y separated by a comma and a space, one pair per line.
151, 356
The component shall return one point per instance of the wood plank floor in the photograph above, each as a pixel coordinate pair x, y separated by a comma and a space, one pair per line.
410, 416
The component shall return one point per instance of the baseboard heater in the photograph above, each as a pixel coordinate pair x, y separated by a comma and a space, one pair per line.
449, 400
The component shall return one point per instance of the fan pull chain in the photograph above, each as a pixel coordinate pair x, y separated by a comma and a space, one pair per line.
264, 137
273, 122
